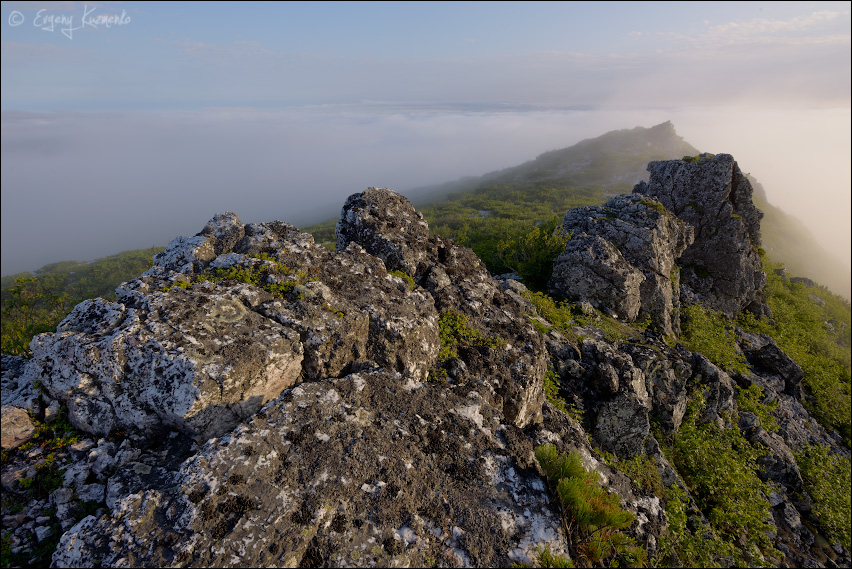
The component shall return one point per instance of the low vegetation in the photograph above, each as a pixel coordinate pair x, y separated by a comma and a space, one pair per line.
499, 221
37, 302
814, 327
270, 275
707, 332
827, 480
719, 466
592, 517
454, 333
532, 254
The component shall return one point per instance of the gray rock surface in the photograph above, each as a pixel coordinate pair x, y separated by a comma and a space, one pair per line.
632, 273
721, 268
386, 225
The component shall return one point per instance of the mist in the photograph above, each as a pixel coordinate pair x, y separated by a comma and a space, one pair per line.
78, 185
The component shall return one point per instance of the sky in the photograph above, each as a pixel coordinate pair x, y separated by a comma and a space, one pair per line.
125, 124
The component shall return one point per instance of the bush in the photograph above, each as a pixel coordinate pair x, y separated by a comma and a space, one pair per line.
804, 330
406, 277
827, 480
454, 332
751, 400
531, 255
593, 516
707, 332
30, 308
720, 469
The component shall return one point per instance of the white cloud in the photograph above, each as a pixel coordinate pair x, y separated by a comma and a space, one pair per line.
760, 26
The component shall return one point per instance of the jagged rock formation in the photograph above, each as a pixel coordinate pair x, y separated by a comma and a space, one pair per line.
621, 258
257, 400
721, 268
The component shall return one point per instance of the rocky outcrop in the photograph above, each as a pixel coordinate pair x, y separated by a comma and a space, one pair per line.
257, 400
386, 225
354, 471
721, 268
622, 258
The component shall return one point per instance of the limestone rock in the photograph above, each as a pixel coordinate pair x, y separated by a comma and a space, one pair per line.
196, 360
594, 270
762, 352
17, 428
649, 238
350, 471
721, 268
386, 225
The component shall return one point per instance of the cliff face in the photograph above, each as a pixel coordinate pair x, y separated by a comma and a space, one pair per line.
257, 400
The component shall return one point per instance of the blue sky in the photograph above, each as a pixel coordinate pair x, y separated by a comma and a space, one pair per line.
127, 123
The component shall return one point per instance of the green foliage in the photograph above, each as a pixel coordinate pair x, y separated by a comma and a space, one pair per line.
506, 212
547, 558
406, 277
563, 315
707, 332
693, 548
593, 516
644, 472
817, 337
653, 204
827, 480
29, 308
33, 304
551, 390
531, 255
55, 435
267, 276
752, 400
454, 332
48, 477
720, 469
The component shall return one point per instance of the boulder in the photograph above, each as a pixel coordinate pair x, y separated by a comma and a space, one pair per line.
386, 225
648, 238
17, 428
763, 353
722, 267
592, 269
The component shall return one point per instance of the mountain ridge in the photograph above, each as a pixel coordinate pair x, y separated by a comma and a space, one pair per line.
255, 399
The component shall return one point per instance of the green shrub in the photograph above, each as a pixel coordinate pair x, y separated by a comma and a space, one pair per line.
30, 308
551, 390
751, 400
800, 328
698, 548
531, 255
48, 477
827, 480
644, 472
708, 333
719, 466
257, 275
454, 332
406, 277
593, 516
563, 315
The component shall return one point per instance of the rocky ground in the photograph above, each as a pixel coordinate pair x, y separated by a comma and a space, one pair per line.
257, 400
